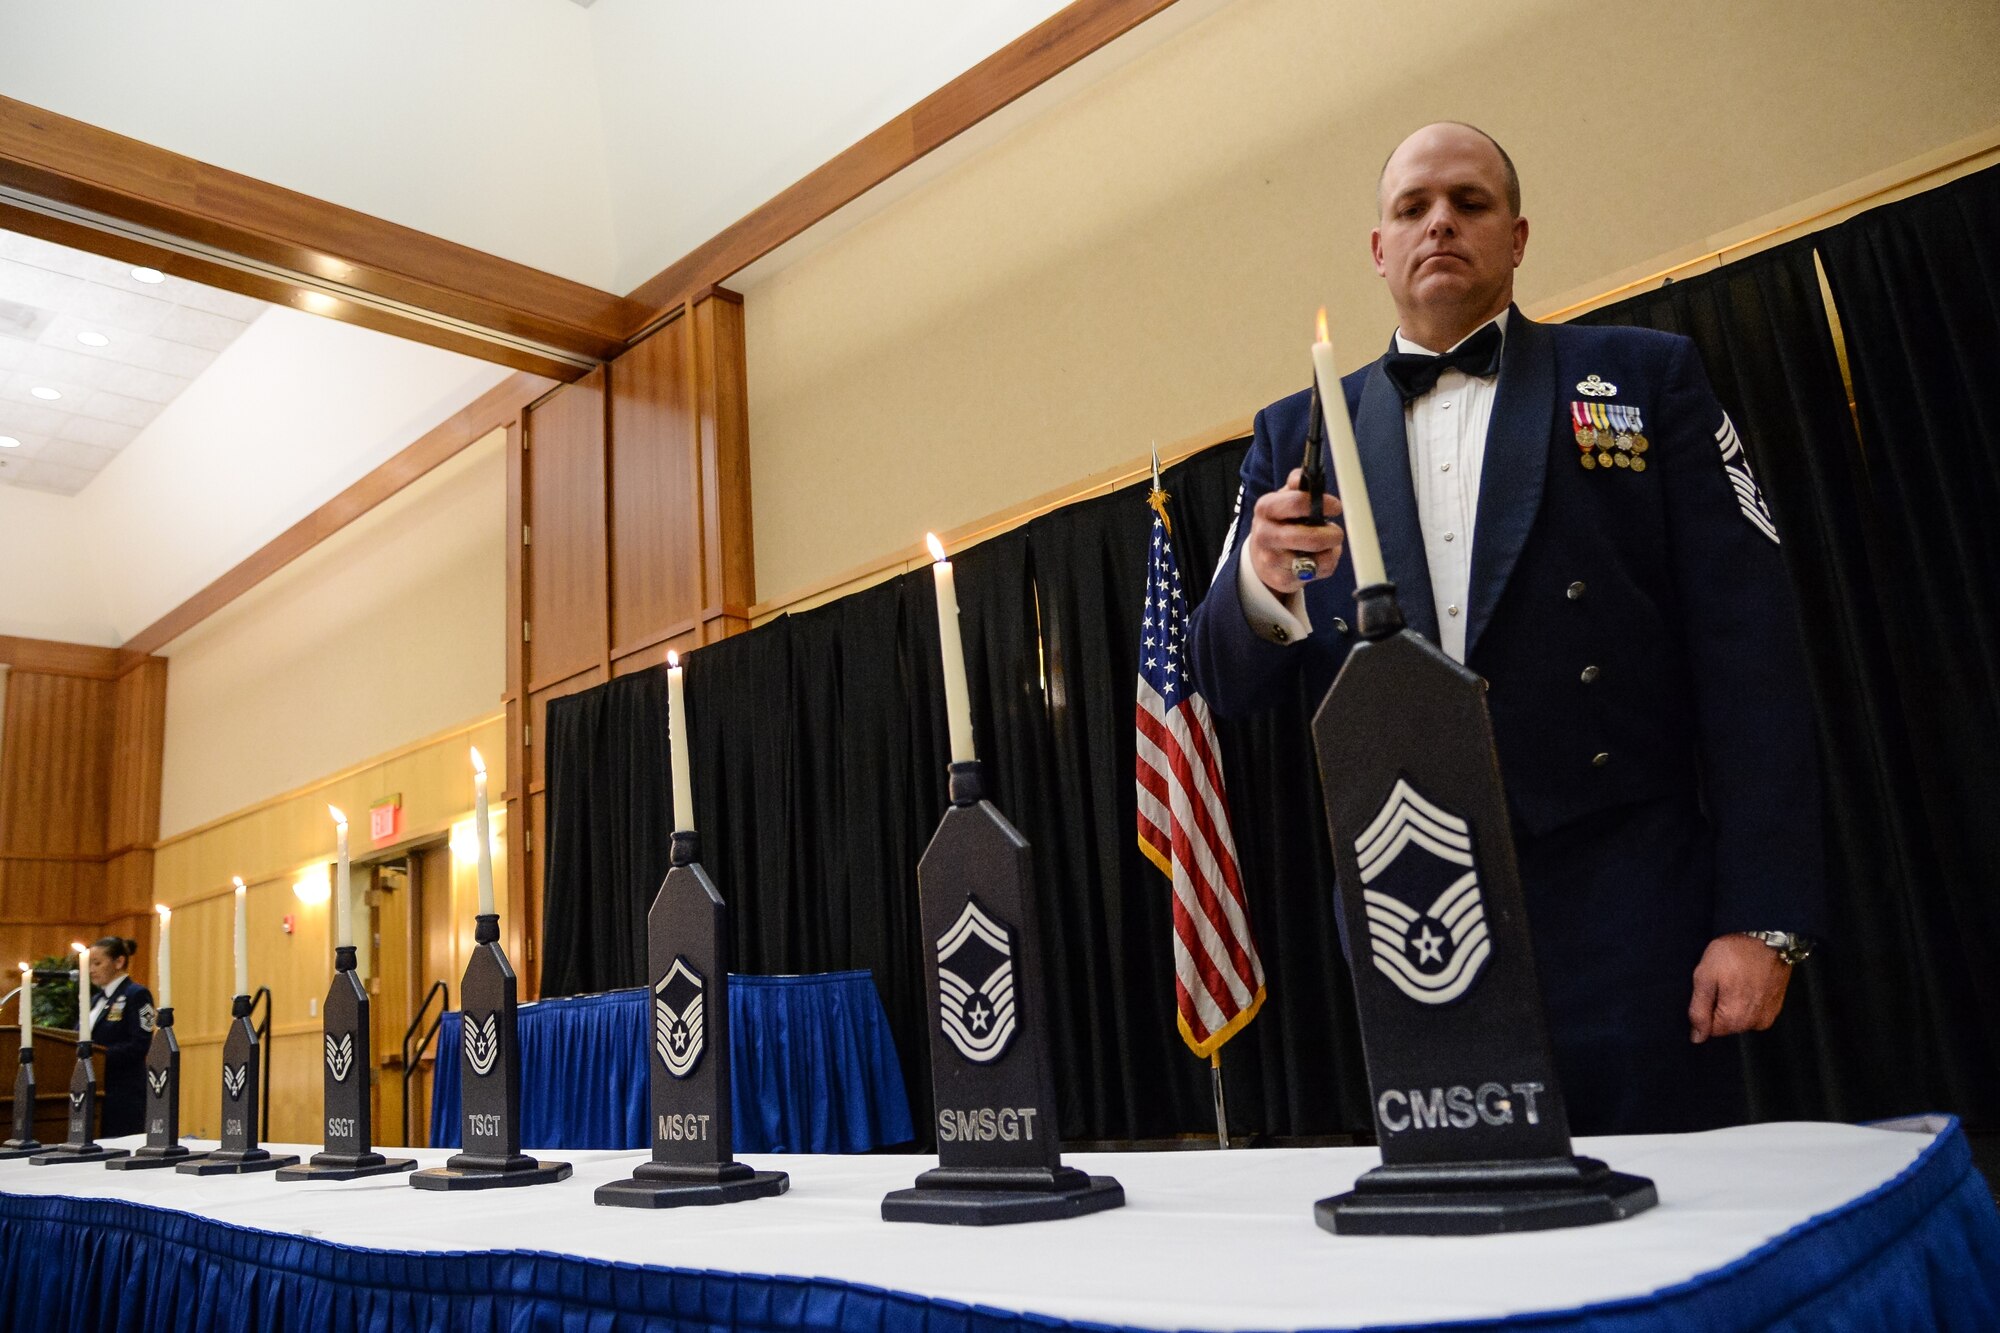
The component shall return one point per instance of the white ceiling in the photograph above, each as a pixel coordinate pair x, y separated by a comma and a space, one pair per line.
116, 350
600, 143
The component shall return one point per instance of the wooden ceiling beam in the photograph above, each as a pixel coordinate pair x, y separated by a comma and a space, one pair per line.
1016, 69
102, 190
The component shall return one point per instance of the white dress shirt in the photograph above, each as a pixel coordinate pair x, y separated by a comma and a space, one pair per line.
104, 1000
1446, 433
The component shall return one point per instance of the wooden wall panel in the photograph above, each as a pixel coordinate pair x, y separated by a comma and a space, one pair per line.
57, 763
656, 480
729, 577
565, 591
138, 741
24, 943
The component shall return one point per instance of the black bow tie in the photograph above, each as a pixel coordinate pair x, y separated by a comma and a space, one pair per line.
1416, 373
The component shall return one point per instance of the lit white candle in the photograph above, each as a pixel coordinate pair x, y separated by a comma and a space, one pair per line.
82, 992
242, 938
165, 950
677, 744
957, 698
27, 1007
1357, 516
482, 830
343, 910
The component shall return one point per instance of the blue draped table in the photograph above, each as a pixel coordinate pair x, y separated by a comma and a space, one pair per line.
812, 1069
1801, 1228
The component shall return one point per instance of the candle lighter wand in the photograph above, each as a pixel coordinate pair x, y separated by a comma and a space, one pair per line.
1312, 480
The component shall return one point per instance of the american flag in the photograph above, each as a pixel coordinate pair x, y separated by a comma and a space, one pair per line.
1184, 817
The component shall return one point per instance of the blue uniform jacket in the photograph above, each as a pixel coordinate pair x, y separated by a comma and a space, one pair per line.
1667, 580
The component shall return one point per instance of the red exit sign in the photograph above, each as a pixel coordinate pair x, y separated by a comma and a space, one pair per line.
385, 819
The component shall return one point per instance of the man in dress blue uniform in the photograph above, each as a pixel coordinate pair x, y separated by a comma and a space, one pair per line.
1569, 512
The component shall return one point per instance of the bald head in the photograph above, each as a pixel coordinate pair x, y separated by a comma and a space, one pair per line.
1453, 134
1449, 231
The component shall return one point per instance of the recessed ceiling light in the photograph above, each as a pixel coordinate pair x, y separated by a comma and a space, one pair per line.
149, 275
90, 339
45, 393
9, 442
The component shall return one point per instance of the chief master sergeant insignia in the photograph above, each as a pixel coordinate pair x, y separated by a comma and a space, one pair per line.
976, 985
1426, 917
677, 1018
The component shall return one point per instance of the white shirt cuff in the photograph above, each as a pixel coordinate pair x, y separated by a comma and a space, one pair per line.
1273, 618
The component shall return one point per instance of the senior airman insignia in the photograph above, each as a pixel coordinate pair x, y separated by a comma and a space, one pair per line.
975, 962
233, 1079
482, 1042
1594, 387
1426, 917
678, 1005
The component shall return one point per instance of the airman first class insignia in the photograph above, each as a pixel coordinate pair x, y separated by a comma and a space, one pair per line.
1610, 435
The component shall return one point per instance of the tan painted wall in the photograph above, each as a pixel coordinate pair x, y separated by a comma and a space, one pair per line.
1142, 261
390, 630
272, 846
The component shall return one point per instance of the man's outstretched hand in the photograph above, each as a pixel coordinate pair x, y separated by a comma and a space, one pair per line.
1739, 986
1276, 536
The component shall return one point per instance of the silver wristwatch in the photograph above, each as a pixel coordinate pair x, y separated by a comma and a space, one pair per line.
1792, 949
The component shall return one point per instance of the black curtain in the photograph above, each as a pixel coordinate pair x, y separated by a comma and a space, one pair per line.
820, 738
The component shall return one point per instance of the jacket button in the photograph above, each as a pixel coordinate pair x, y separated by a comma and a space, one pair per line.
1278, 633
1590, 675
1600, 759
1339, 625
1576, 590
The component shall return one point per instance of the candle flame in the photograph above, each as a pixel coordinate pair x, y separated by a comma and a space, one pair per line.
478, 764
1321, 324
164, 911
937, 547
24, 967
673, 660
338, 816
237, 880
79, 946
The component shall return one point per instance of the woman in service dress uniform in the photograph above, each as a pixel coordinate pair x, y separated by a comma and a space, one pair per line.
121, 1024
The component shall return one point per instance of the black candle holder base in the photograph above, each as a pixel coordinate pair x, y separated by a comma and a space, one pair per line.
669, 1185
343, 1166
223, 1163
986, 1197
65, 1154
152, 1159
454, 1176
13, 1148
1484, 1198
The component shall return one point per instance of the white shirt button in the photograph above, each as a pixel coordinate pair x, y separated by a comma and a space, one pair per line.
1444, 467
1451, 536
1453, 609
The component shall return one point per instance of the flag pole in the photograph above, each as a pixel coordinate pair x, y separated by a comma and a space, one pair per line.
1221, 1108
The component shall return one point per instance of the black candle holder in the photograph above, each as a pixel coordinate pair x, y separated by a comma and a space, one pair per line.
163, 1104
999, 1150
80, 1146
1471, 1121
489, 1079
242, 1061
688, 1052
23, 1143
349, 1109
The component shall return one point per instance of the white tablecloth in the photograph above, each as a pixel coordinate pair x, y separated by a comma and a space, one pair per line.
1206, 1239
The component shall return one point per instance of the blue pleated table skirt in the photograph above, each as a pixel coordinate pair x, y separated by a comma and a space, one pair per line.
813, 1069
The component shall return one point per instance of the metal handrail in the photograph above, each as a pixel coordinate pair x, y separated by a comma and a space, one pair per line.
263, 1031
442, 993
